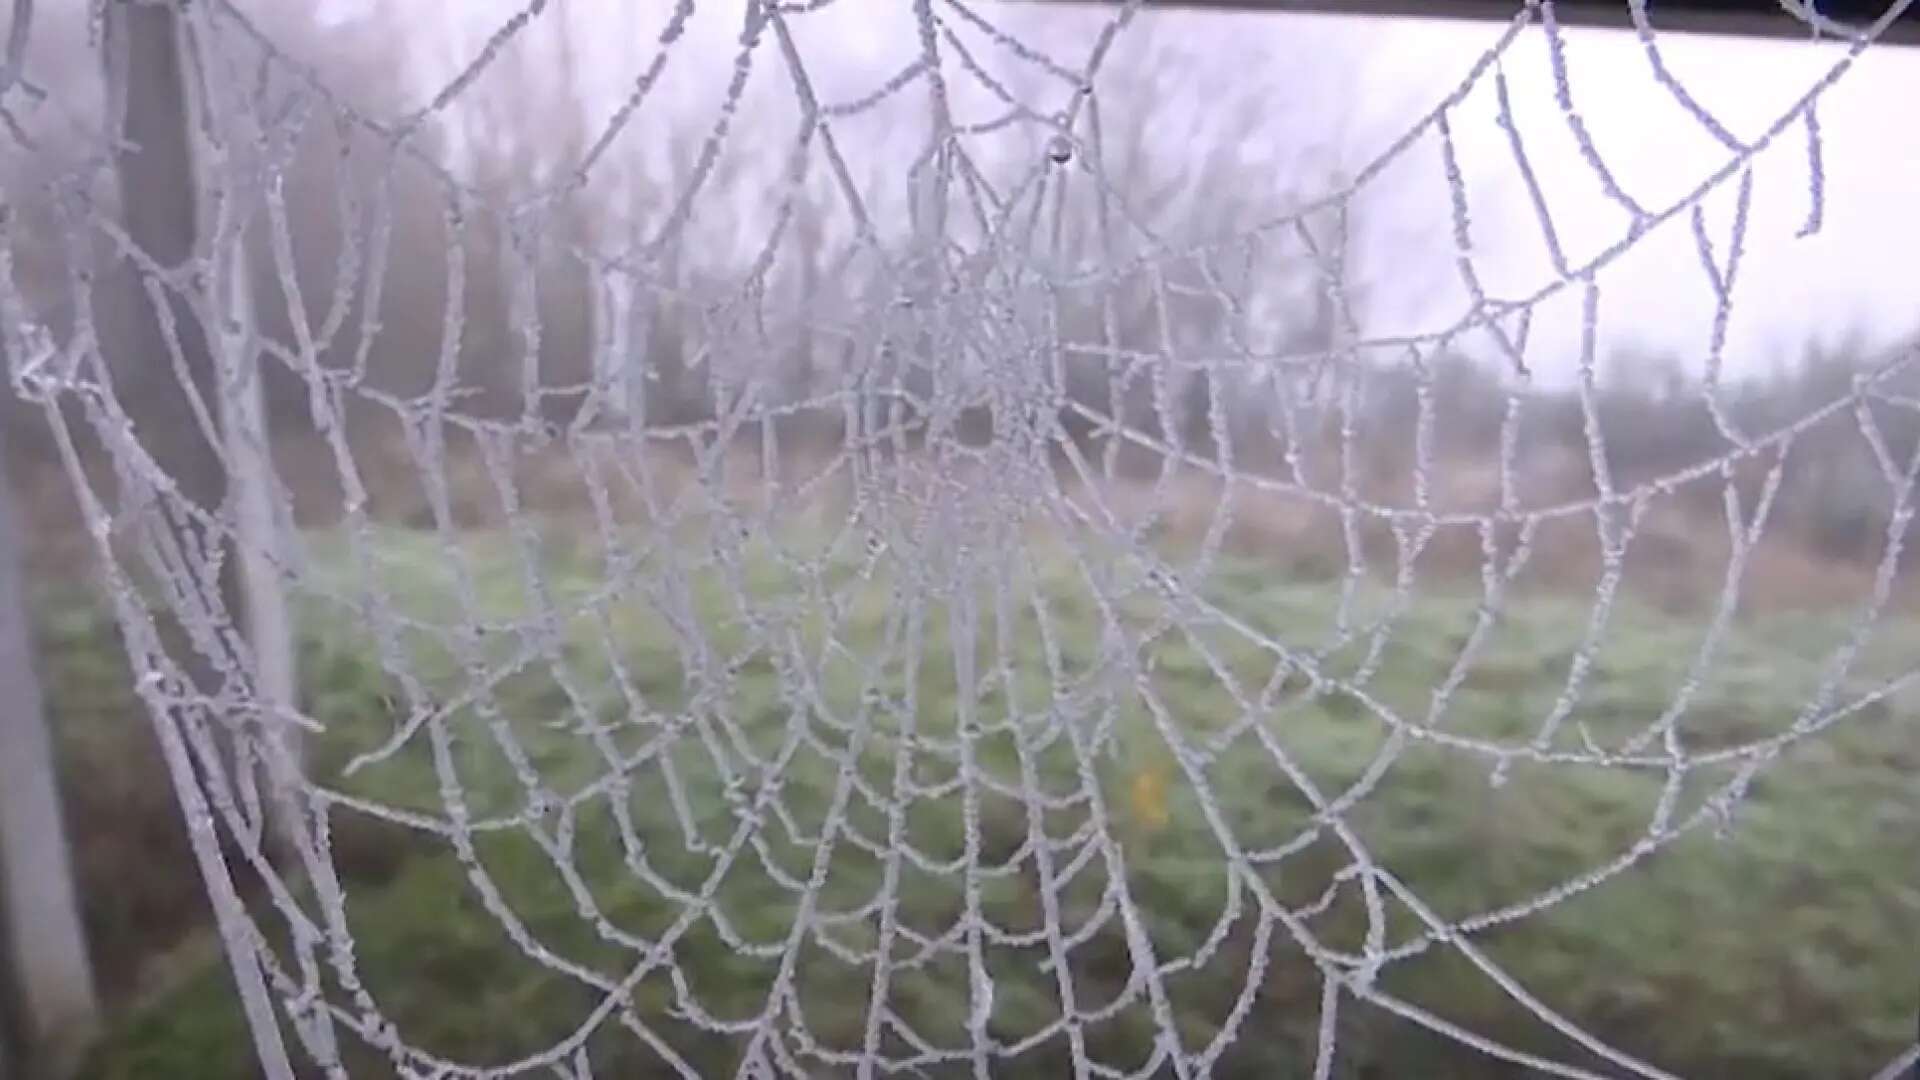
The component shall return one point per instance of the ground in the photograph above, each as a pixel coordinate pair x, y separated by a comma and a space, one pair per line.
1761, 948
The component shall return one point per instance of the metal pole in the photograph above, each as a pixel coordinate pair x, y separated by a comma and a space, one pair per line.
1756, 18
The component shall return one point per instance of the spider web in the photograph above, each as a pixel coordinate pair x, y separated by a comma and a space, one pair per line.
788, 753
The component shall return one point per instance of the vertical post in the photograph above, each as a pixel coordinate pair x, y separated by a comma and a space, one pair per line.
244, 431
48, 988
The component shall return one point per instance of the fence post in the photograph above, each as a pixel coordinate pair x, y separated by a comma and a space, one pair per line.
48, 990
244, 429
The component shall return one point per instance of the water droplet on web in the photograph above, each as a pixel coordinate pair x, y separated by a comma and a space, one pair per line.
1060, 150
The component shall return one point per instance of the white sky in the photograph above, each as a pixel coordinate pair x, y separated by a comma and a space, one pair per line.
1855, 276
1360, 82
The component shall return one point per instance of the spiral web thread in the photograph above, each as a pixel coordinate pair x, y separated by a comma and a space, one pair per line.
964, 696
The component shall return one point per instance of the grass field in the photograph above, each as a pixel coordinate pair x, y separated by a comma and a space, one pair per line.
1779, 947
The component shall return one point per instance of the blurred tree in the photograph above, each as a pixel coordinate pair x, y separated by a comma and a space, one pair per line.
175, 293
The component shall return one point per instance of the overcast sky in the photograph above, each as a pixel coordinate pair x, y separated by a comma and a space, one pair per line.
1356, 84
1854, 276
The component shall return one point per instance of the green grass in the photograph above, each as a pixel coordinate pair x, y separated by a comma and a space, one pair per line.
1774, 951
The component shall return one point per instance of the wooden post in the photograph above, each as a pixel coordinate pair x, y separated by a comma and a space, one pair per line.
50, 1008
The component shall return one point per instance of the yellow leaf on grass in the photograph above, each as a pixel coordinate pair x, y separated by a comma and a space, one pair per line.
1148, 793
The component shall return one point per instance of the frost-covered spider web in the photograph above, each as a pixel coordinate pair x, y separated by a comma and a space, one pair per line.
964, 627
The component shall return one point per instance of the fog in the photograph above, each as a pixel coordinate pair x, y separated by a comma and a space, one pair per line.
1292, 94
